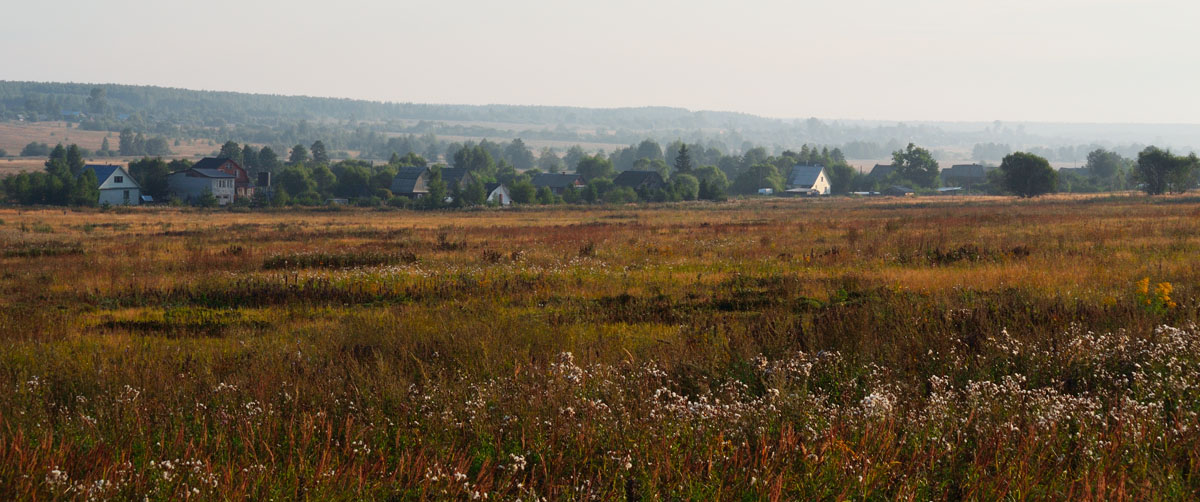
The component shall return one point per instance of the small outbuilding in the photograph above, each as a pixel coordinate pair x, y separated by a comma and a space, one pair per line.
497, 193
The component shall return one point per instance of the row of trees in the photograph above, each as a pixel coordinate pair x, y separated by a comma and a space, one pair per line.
1156, 172
308, 176
63, 183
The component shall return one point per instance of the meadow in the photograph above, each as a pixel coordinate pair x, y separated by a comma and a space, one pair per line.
774, 349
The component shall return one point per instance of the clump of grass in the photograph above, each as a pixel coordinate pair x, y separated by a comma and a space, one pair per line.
338, 260
43, 249
444, 243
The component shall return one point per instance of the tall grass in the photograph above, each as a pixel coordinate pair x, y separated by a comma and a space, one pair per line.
779, 350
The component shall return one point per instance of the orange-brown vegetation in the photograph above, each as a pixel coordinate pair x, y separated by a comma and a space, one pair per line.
772, 349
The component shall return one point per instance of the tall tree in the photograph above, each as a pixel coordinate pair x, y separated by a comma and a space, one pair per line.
916, 165
549, 161
573, 156
683, 161
299, 155
249, 157
232, 151
75, 159
267, 159
475, 159
151, 174
1027, 175
519, 155
319, 155
594, 167
436, 196
1160, 172
649, 149
125, 144
97, 101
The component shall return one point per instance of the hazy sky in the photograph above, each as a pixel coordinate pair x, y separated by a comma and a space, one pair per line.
1012, 60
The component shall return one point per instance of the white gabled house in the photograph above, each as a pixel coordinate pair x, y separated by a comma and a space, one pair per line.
808, 180
117, 187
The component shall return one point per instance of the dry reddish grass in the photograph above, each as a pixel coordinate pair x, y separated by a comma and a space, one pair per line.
769, 349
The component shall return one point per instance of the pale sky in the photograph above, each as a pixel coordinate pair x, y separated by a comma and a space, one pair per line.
955, 60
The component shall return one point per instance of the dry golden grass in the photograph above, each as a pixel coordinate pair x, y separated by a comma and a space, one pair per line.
15, 135
781, 349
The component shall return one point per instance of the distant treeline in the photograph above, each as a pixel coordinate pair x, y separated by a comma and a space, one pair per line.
374, 128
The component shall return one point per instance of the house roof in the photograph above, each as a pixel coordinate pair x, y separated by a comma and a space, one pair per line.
210, 173
212, 163
881, 170
805, 176
554, 180
453, 176
491, 187
192, 172
103, 171
406, 179
635, 179
975, 171
410, 172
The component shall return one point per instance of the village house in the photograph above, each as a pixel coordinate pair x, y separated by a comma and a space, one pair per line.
117, 187
964, 175
191, 184
639, 180
881, 171
456, 177
242, 187
497, 193
808, 180
558, 183
411, 182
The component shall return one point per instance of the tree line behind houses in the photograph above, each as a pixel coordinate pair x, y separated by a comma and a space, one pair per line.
309, 177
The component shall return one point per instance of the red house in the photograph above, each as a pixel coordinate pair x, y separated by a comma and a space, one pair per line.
241, 179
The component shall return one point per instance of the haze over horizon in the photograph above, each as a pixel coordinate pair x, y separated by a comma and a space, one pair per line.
1105, 61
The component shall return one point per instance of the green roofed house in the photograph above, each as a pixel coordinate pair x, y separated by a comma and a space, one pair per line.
117, 187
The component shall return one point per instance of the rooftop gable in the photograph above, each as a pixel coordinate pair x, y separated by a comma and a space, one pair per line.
805, 176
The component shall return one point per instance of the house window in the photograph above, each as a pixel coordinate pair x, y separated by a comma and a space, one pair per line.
118, 179
127, 195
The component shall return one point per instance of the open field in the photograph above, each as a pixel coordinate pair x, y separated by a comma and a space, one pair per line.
779, 349
15, 135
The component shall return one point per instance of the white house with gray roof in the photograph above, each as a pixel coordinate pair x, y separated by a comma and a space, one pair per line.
117, 187
808, 180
